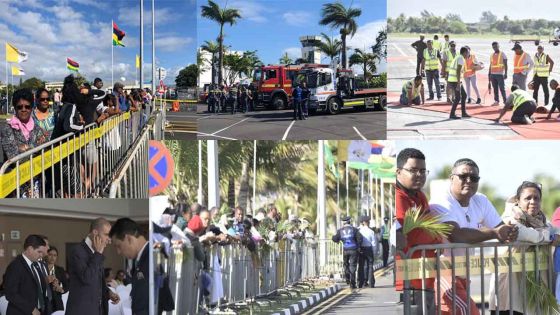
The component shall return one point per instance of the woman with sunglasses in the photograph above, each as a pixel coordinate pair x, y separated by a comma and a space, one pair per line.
20, 134
43, 115
523, 210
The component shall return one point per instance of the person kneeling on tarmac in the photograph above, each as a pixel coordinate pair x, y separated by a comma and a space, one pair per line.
351, 242
413, 92
523, 104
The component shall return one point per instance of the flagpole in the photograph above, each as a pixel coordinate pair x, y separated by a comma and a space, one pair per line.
141, 41
7, 91
112, 45
153, 47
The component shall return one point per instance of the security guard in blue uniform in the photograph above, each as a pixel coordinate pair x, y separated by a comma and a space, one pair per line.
351, 241
297, 97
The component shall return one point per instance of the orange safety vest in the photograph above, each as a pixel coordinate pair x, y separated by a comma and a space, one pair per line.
469, 70
517, 60
496, 63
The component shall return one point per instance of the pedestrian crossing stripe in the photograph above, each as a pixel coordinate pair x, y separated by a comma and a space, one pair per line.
30, 168
424, 268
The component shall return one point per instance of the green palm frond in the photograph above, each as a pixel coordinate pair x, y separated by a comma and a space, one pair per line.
416, 219
539, 295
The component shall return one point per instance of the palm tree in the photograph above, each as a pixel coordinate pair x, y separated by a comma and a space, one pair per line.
379, 49
285, 60
367, 60
213, 48
336, 15
328, 46
213, 12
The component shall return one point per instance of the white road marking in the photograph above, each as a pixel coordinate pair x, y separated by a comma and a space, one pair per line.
213, 134
288, 130
403, 53
359, 133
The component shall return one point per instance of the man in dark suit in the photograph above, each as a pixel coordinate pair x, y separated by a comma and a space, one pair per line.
88, 293
24, 286
133, 244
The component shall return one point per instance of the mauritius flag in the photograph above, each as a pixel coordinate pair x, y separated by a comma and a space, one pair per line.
72, 65
118, 35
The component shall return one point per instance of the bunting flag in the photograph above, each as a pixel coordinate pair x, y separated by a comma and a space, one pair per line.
118, 35
16, 71
330, 159
137, 61
72, 65
15, 55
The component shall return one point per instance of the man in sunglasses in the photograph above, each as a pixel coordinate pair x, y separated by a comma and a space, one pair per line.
411, 177
474, 220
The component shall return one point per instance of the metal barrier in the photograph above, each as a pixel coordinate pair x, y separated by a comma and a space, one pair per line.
463, 264
243, 276
74, 165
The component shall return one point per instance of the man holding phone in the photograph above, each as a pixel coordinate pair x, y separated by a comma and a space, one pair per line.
88, 293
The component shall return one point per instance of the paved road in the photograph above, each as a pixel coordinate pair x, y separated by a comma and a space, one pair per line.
415, 123
279, 125
181, 126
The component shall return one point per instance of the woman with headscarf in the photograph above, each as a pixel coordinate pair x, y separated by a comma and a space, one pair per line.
523, 210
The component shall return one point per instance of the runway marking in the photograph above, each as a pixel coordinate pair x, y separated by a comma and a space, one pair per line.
403, 53
359, 133
213, 134
288, 130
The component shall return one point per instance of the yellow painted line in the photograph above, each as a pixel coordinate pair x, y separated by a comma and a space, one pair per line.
335, 299
8, 181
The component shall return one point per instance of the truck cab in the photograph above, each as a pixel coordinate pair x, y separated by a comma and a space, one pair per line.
273, 84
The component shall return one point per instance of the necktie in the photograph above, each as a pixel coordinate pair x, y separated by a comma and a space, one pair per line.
44, 274
37, 275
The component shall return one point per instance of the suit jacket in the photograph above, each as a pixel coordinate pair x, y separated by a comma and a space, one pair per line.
140, 288
88, 293
57, 303
21, 288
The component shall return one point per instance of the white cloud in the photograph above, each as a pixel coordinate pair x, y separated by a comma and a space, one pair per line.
296, 18
293, 52
131, 15
365, 36
172, 43
250, 10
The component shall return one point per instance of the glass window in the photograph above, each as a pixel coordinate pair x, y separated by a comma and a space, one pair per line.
270, 74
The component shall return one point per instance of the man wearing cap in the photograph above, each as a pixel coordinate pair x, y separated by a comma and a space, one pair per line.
430, 63
365, 261
524, 106
351, 242
411, 177
385, 233
447, 58
445, 45
419, 45
497, 73
522, 64
543, 68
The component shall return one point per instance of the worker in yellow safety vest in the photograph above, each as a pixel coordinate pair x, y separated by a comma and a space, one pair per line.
523, 104
455, 84
446, 43
430, 65
412, 92
436, 43
522, 64
447, 58
543, 67
497, 73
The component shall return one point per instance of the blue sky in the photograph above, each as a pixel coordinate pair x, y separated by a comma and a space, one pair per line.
503, 164
274, 27
51, 30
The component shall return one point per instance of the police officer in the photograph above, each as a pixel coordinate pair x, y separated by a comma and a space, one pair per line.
297, 96
232, 99
305, 93
211, 100
243, 99
385, 232
351, 242
222, 97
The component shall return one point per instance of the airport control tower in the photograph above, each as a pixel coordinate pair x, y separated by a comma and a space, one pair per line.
310, 51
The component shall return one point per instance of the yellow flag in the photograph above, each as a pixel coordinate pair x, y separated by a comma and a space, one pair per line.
15, 55
137, 61
17, 71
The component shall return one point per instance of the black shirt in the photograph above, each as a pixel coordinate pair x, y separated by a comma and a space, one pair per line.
419, 45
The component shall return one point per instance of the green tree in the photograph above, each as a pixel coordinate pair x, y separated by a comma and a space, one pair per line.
379, 49
328, 46
222, 16
488, 17
285, 59
187, 77
365, 59
338, 16
32, 83
213, 48
457, 27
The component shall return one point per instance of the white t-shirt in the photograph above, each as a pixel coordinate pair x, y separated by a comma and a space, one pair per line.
368, 236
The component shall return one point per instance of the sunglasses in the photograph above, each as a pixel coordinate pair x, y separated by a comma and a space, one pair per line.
464, 177
43, 99
20, 107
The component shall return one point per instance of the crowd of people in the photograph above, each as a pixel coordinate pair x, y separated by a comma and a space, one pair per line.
237, 97
459, 67
473, 219
41, 117
34, 284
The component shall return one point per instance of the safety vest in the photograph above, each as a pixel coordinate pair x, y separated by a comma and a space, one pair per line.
450, 58
469, 63
519, 97
453, 76
408, 85
436, 44
386, 232
430, 59
445, 46
497, 63
518, 66
541, 67
348, 237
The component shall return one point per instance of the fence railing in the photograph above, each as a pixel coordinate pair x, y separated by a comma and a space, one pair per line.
74, 165
463, 273
236, 274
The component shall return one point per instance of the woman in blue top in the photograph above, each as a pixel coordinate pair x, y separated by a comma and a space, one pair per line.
43, 115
